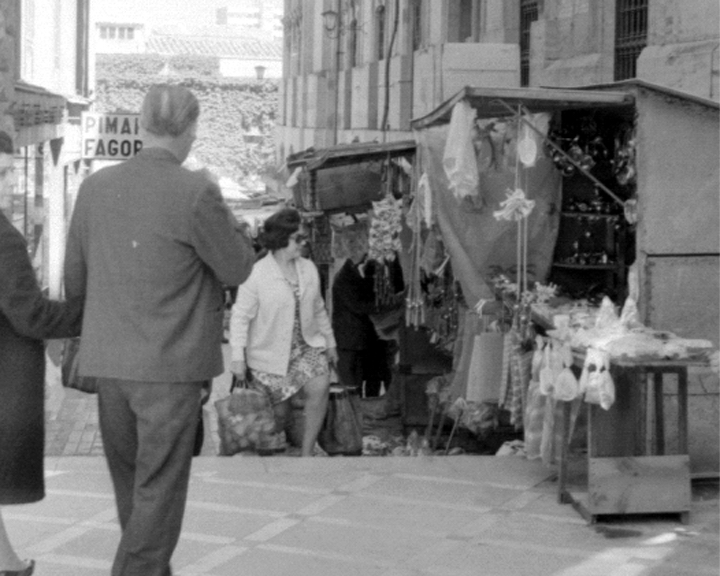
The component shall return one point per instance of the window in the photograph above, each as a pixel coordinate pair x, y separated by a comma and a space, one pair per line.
27, 58
111, 32
103, 32
352, 43
631, 23
465, 27
416, 21
528, 15
121, 33
380, 31
130, 33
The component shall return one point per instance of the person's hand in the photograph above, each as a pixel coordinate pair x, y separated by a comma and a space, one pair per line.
243, 226
239, 368
332, 356
54, 349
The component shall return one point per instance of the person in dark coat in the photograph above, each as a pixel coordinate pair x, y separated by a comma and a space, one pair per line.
26, 318
353, 300
151, 245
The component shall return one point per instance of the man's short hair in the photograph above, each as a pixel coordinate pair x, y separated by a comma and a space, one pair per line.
168, 110
6, 143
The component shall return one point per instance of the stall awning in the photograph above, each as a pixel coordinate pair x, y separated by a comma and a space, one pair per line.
313, 159
499, 102
37, 114
344, 177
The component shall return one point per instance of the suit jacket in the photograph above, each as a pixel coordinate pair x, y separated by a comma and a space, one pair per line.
262, 318
26, 318
150, 246
353, 300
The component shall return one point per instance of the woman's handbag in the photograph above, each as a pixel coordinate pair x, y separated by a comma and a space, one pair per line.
341, 432
246, 422
69, 369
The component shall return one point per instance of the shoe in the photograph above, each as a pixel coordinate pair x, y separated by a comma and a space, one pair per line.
24, 572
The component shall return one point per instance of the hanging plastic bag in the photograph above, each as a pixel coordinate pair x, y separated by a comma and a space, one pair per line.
533, 421
567, 387
485, 370
630, 317
607, 317
537, 358
596, 379
547, 376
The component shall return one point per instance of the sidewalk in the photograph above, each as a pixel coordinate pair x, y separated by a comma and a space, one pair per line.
367, 516
433, 516
71, 419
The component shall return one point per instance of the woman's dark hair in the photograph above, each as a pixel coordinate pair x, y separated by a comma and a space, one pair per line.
278, 228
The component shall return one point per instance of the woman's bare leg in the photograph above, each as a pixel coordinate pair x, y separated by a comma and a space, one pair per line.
9, 560
316, 400
282, 414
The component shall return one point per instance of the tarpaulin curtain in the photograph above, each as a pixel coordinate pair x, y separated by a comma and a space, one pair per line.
478, 244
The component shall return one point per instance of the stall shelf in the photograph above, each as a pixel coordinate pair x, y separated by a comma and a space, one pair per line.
633, 467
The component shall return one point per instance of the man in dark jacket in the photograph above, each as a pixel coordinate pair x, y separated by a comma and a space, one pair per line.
150, 246
353, 300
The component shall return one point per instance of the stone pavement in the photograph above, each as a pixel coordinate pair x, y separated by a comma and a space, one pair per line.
71, 419
424, 516
392, 516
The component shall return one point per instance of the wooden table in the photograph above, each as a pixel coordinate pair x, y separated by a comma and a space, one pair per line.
632, 468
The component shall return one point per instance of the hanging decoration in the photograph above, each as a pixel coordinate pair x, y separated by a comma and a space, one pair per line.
385, 227
624, 161
516, 207
383, 245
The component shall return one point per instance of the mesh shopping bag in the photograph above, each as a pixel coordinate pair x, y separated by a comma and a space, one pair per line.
246, 421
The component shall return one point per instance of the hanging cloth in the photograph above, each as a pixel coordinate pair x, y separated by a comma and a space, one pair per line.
425, 196
459, 159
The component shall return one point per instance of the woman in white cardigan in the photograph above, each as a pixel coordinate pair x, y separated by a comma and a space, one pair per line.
280, 329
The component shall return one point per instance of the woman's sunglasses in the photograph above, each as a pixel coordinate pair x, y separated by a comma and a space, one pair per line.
299, 238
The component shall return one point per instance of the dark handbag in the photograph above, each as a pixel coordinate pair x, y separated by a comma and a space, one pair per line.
69, 369
341, 432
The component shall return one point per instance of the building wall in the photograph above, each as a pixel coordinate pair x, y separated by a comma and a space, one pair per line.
38, 46
682, 50
9, 39
572, 44
678, 246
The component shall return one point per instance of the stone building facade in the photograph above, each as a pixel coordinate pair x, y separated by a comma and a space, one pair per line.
365, 71
361, 70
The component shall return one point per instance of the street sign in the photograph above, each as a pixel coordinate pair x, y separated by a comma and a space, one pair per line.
110, 136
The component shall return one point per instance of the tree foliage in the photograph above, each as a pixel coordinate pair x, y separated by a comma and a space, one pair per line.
237, 115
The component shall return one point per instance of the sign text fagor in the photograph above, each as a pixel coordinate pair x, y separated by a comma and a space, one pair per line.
110, 136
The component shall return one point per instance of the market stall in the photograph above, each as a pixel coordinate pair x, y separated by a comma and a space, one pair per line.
554, 208
345, 180
351, 196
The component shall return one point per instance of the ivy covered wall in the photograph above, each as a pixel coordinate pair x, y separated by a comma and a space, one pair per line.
237, 115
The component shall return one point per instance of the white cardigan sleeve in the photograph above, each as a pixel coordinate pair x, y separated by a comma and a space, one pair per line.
243, 311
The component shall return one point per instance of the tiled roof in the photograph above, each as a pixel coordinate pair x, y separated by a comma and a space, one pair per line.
251, 48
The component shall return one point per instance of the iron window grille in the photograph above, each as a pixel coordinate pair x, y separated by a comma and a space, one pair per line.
631, 27
416, 16
528, 14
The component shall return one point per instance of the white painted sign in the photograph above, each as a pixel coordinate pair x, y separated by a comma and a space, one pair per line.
110, 136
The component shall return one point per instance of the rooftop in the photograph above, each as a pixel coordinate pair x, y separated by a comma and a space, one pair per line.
215, 46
